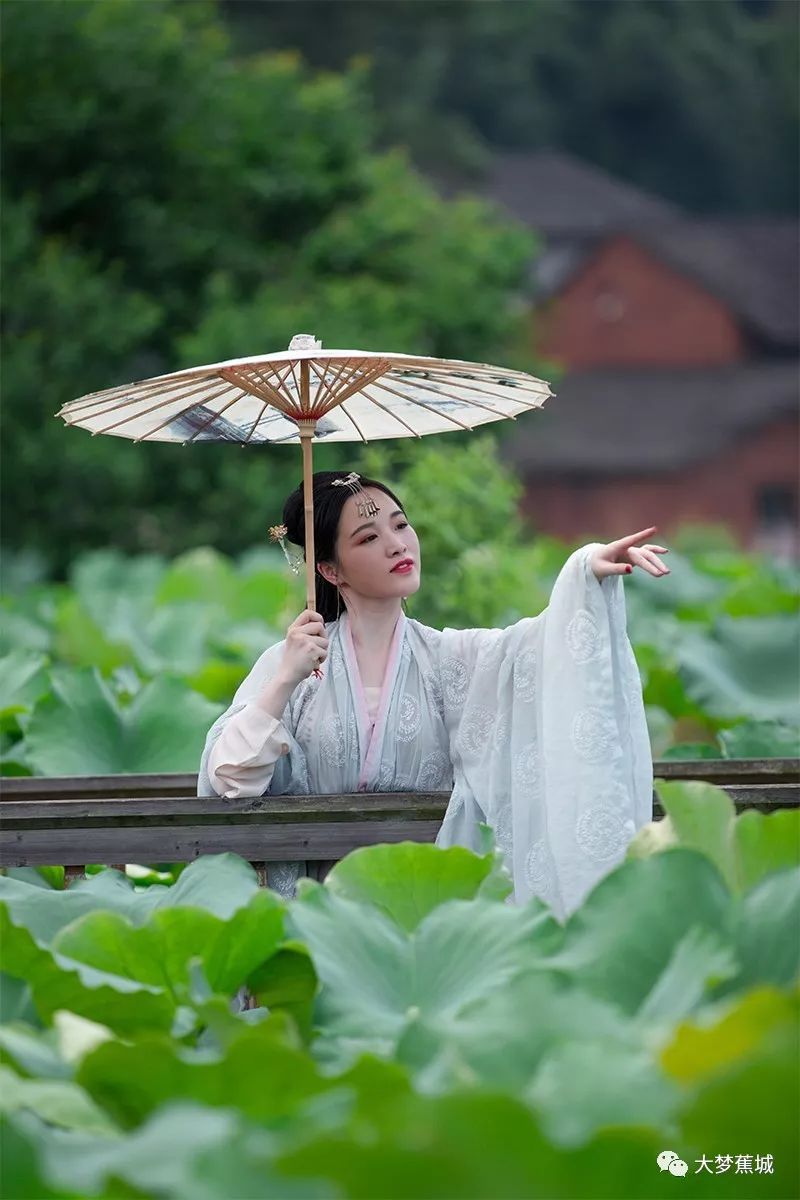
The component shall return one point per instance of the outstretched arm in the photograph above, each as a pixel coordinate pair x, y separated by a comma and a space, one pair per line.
620, 557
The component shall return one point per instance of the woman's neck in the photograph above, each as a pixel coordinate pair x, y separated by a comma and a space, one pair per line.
372, 624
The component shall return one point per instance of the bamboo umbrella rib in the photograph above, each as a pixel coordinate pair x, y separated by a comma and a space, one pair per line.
354, 422
512, 394
344, 384
266, 388
449, 396
216, 413
507, 385
261, 389
478, 370
297, 388
268, 377
450, 378
368, 377
352, 380
160, 404
385, 387
144, 393
264, 408
329, 387
368, 396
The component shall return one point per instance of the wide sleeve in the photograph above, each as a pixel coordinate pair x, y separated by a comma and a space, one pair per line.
245, 742
242, 760
549, 738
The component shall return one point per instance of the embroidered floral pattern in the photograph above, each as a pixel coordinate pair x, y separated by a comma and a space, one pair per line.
592, 734
476, 729
454, 680
502, 731
526, 766
583, 637
282, 877
602, 831
525, 676
409, 721
334, 739
435, 772
538, 868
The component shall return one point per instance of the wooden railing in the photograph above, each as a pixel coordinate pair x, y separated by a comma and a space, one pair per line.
115, 819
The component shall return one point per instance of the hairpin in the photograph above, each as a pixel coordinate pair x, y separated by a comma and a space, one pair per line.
366, 507
278, 533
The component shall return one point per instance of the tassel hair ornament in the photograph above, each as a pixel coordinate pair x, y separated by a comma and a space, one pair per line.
365, 507
278, 534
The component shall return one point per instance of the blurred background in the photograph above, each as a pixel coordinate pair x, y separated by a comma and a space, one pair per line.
602, 192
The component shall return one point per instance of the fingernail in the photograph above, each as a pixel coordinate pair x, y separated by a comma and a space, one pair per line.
628, 570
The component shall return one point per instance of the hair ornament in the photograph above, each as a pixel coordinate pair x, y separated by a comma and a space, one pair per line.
366, 507
278, 533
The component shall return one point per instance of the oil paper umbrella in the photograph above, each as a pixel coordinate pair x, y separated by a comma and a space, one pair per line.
306, 394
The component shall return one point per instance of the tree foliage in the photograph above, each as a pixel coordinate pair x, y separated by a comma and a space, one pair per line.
694, 99
169, 204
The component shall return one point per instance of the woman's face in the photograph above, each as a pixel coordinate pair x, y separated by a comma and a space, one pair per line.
371, 549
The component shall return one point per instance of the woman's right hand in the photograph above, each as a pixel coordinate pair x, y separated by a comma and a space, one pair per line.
306, 647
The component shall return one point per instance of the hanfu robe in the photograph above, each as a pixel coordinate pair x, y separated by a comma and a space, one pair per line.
537, 729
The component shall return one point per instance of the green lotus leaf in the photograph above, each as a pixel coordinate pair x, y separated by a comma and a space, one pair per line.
409, 879
744, 666
690, 751
217, 679
584, 1085
58, 1101
765, 842
80, 729
159, 952
23, 1177
501, 1039
287, 981
58, 982
767, 945
744, 848
32, 1051
761, 739
758, 594
376, 977
16, 1001
216, 883
201, 574
23, 679
79, 641
739, 1027
619, 943
745, 1097
262, 1072
481, 1146
183, 1150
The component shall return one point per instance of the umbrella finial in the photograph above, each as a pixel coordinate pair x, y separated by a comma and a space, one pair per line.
304, 341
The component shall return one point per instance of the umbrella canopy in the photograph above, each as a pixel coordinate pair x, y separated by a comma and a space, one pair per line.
306, 394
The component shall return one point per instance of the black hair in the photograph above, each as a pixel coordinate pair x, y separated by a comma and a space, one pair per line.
328, 504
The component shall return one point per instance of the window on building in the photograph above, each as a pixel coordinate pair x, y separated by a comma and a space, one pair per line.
776, 504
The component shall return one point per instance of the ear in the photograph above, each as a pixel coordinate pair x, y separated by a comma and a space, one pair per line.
328, 571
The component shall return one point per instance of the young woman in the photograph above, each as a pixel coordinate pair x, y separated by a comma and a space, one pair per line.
538, 729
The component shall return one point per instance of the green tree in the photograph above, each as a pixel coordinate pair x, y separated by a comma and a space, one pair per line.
695, 99
168, 204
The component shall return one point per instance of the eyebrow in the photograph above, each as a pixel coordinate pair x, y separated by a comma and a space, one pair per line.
398, 512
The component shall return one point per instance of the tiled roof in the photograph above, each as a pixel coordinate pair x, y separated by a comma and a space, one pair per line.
560, 195
629, 421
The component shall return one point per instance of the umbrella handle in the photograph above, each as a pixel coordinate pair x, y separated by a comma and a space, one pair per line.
306, 429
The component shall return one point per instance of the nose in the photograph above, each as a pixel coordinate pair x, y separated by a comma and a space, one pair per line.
398, 546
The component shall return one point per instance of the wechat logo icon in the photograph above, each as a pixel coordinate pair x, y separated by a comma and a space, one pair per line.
668, 1160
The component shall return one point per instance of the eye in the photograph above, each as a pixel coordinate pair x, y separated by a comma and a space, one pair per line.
402, 525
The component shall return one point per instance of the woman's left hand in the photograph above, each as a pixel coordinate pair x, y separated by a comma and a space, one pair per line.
620, 557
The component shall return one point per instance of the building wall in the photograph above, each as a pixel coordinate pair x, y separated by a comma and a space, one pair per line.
724, 490
627, 308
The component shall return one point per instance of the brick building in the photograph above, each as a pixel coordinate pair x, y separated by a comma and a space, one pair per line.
680, 344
